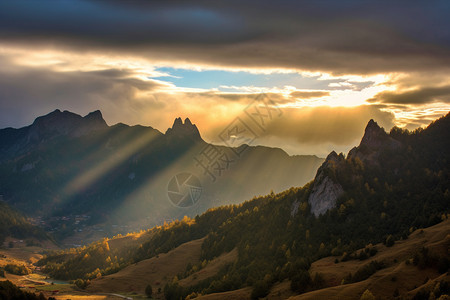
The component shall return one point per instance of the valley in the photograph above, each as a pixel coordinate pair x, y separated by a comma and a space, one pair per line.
224, 150
400, 275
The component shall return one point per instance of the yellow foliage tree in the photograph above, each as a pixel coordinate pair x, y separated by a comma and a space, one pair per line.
367, 295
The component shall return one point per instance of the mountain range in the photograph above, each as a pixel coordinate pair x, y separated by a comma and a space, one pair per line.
71, 174
357, 230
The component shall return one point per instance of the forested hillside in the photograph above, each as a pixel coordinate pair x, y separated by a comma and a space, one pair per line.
392, 184
12, 223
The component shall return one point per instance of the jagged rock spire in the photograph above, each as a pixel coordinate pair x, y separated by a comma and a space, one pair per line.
374, 135
374, 139
183, 130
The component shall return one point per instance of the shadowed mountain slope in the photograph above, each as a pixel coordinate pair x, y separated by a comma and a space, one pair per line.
65, 165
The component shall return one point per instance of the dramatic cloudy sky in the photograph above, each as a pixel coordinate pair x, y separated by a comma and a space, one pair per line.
329, 65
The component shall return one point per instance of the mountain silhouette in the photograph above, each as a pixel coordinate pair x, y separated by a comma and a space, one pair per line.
65, 164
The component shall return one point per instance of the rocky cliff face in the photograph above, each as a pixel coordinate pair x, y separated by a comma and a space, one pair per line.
325, 190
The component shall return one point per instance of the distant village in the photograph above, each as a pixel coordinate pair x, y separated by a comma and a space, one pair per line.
82, 232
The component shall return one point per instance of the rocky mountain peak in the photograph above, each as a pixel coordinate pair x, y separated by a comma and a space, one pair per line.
374, 135
333, 156
183, 130
94, 121
95, 115
65, 123
374, 139
326, 188
177, 123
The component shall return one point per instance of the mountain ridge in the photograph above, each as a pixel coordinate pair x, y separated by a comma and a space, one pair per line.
120, 173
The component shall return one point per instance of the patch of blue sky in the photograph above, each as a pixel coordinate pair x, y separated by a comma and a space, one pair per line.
219, 79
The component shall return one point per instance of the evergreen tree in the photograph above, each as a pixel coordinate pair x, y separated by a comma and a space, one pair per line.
148, 290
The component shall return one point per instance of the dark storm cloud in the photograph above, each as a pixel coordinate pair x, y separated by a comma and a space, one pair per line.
336, 36
420, 95
116, 24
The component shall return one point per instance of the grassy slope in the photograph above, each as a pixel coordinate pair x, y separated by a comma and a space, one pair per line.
212, 268
407, 278
155, 271
25, 255
397, 275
